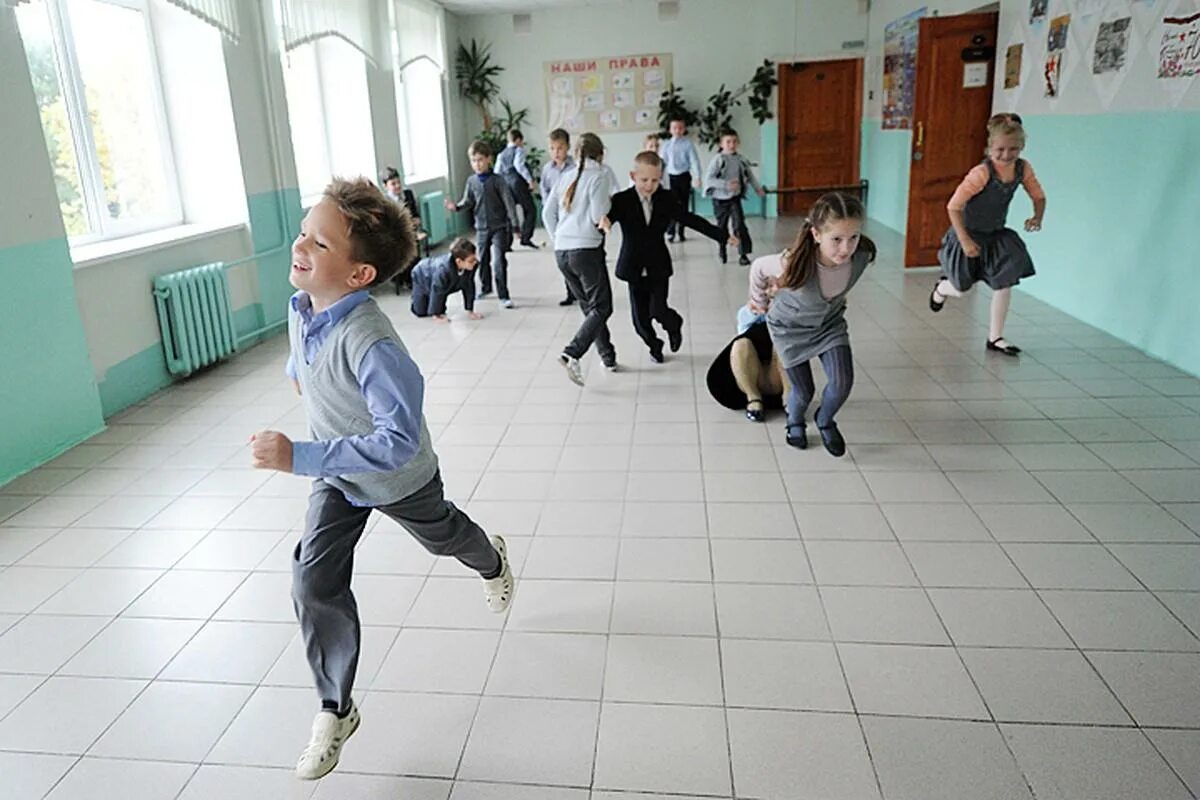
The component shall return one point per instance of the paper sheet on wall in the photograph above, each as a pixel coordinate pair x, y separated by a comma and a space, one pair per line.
611, 93
1179, 47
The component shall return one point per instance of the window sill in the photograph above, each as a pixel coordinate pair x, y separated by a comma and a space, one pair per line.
96, 253
412, 180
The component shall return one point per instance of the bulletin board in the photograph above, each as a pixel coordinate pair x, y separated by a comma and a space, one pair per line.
606, 95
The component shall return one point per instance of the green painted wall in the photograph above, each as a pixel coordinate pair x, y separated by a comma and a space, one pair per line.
48, 400
1118, 248
266, 210
144, 373
885, 163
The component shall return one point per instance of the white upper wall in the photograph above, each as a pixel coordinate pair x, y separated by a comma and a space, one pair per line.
1134, 88
711, 42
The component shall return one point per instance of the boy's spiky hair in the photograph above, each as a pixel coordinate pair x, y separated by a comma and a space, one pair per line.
381, 232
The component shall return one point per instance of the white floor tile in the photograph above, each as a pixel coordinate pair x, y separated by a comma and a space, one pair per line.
662, 748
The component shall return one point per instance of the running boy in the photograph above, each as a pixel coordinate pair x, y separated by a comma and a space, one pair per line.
725, 183
371, 449
510, 165
682, 168
490, 200
560, 162
644, 211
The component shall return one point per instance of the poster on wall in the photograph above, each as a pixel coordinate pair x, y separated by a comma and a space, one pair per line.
1179, 47
1056, 46
1057, 40
611, 94
1112, 46
1037, 11
1012, 65
900, 70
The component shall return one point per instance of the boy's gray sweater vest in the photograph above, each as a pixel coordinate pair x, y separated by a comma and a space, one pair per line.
336, 408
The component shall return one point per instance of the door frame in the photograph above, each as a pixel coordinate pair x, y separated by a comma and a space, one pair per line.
782, 108
922, 103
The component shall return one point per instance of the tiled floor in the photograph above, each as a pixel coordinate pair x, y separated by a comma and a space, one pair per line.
996, 594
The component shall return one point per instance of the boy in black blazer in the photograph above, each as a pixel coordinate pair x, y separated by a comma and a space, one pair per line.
644, 211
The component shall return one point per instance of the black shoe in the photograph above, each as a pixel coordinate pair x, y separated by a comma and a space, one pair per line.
1006, 348
798, 441
675, 338
484, 293
831, 437
567, 301
754, 411
656, 354
934, 305
671, 238
723, 256
744, 261
682, 238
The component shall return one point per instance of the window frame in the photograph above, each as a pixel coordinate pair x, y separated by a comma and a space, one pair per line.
91, 182
408, 158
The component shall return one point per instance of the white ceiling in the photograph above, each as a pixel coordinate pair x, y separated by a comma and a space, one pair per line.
514, 6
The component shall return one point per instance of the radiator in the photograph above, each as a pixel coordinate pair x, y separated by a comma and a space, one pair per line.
195, 316
433, 217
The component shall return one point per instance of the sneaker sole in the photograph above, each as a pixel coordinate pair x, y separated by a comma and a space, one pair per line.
336, 758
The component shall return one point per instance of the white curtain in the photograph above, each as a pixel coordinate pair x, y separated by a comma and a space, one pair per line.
419, 33
221, 14
306, 21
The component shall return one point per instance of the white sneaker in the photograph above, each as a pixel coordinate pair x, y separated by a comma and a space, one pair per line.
507, 303
574, 371
499, 590
324, 748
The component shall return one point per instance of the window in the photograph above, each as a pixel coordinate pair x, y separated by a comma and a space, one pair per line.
329, 112
96, 81
422, 121
419, 55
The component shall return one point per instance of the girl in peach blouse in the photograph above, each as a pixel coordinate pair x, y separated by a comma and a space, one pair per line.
979, 246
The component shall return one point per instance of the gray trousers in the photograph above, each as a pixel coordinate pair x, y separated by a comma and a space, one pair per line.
587, 278
324, 560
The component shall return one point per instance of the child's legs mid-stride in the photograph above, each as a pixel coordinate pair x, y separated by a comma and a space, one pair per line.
587, 275
325, 607
639, 308
839, 374
323, 562
738, 220
484, 268
524, 200
499, 240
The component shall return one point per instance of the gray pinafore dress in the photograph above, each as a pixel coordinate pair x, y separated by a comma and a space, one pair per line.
1003, 260
803, 324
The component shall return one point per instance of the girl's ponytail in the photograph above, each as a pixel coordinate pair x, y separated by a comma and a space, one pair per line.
591, 147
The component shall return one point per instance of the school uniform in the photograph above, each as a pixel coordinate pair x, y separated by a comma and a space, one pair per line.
488, 198
551, 173
727, 204
681, 163
371, 449
434, 280
579, 253
511, 166
645, 262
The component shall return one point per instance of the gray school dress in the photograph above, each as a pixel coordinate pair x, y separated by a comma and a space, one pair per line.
803, 324
1003, 260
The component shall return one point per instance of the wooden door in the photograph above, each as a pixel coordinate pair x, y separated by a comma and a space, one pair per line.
820, 113
955, 68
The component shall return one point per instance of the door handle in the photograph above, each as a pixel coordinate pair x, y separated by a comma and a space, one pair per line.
920, 135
